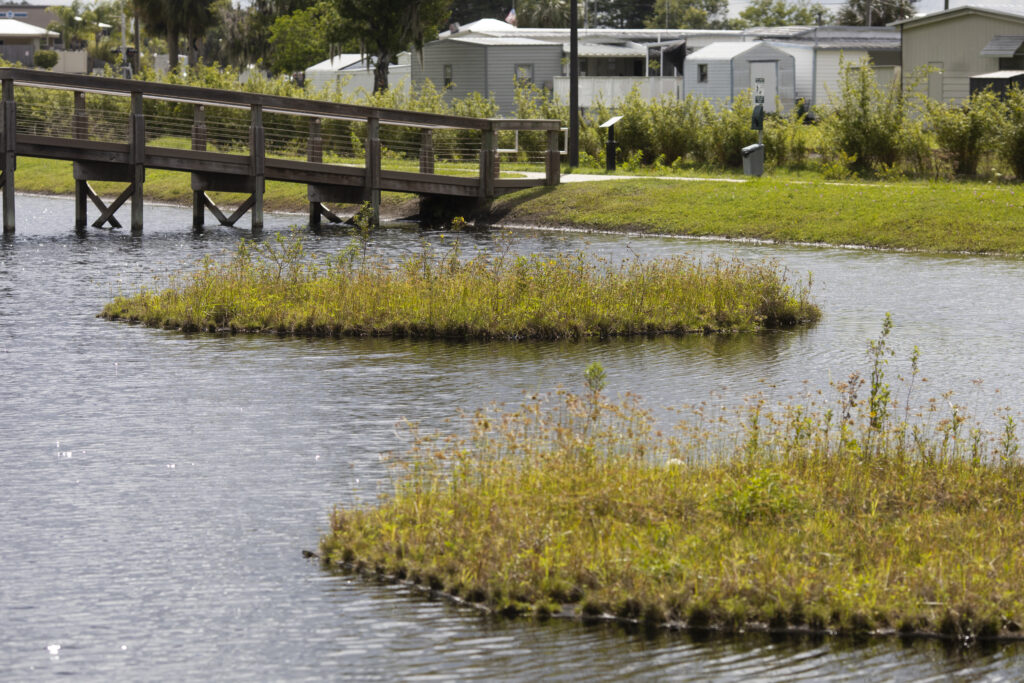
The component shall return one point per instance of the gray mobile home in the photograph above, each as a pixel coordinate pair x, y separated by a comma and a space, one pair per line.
487, 65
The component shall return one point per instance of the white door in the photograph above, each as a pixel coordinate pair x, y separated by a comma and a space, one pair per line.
764, 84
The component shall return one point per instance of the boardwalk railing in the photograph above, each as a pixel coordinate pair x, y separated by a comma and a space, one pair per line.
231, 141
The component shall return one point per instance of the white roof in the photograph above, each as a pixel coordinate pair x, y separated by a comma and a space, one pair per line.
12, 28
481, 26
496, 40
1001, 74
337, 62
722, 50
602, 50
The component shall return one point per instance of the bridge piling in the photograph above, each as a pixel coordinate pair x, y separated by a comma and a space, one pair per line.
9, 160
80, 131
198, 145
138, 159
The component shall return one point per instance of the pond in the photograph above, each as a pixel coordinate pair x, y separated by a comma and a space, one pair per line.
157, 489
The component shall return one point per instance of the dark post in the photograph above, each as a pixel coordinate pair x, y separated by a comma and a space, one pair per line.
487, 166
10, 159
427, 151
198, 145
257, 159
315, 154
80, 131
609, 150
372, 188
138, 159
574, 86
554, 161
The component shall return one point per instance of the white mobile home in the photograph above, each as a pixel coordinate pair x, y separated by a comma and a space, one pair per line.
353, 72
722, 71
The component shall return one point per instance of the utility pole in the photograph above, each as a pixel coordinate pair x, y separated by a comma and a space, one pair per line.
574, 86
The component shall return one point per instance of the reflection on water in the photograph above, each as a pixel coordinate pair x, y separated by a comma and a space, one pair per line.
157, 488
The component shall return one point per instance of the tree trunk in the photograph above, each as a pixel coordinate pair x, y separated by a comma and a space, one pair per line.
172, 48
380, 73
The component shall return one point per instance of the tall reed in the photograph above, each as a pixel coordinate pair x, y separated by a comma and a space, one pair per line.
275, 286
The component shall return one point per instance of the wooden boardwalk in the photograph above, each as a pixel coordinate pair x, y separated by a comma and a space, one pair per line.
231, 141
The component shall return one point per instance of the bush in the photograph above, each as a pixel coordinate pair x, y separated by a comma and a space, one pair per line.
964, 132
1011, 140
872, 123
45, 59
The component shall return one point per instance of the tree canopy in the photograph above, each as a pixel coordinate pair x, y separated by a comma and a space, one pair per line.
874, 12
386, 27
690, 14
783, 13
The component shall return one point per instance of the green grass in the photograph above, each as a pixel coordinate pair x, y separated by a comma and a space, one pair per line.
934, 217
275, 287
845, 516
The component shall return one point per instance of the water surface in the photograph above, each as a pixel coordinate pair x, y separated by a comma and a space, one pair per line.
156, 489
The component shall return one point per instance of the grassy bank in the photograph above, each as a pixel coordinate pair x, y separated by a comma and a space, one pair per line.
836, 517
275, 287
935, 217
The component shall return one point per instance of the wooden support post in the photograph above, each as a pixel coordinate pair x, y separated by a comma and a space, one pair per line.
257, 163
198, 145
372, 189
488, 152
553, 163
138, 159
9, 159
427, 151
315, 154
80, 131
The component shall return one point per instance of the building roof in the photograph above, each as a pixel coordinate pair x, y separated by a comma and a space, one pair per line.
1013, 12
480, 26
1002, 46
845, 38
506, 41
1000, 74
604, 50
727, 50
337, 62
12, 28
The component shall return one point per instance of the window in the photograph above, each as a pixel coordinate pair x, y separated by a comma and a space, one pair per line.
702, 73
447, 75
524, 72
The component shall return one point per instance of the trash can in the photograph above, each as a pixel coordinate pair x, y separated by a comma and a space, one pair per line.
753, 159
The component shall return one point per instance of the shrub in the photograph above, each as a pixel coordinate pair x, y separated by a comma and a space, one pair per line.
45, 59
1011, 139
875, 124
964, 132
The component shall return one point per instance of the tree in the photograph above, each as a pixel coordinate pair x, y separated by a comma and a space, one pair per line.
177, 18
300, 39
690, 14
543, 13
70, 24
466, 11
386, 27
621, 14
874, 12
783, 13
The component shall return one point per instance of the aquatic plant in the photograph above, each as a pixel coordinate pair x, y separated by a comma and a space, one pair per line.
274, 286
830, 516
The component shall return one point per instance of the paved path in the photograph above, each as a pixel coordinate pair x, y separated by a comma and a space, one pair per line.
592, 177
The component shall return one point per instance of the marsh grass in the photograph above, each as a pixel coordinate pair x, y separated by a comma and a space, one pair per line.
852, 514
276, 287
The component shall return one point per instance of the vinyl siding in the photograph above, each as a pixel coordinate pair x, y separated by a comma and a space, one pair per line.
469, 67
501, 64
803, 65
785, 73
830, 70
957, 43
719, 84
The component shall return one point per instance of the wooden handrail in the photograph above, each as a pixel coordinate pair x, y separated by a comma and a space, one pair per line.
269, 103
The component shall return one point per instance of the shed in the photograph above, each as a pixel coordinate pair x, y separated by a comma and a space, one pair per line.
998, 81
722, 71
490, 65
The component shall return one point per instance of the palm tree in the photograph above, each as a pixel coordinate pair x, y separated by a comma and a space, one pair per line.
70, 23
177, 18
545, 14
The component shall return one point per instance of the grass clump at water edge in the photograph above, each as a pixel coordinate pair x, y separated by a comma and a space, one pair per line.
845, 517
276, 287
